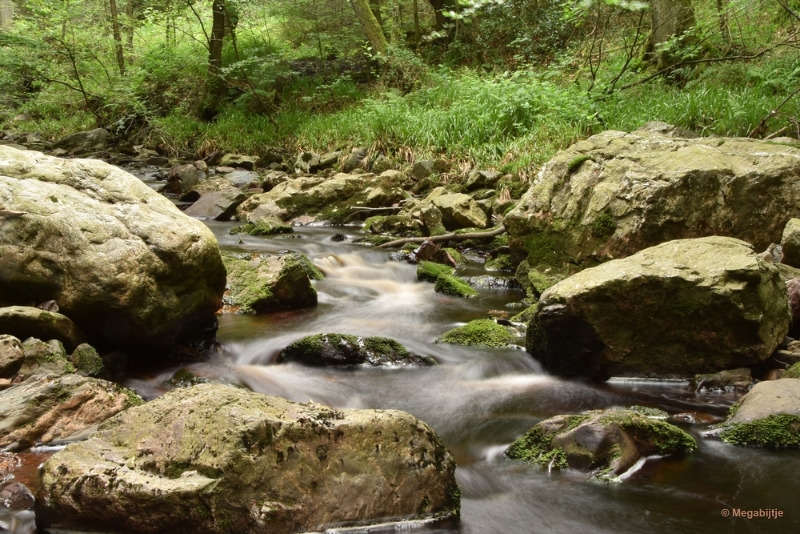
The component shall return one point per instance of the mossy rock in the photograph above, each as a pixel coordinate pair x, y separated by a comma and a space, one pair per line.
502, 262
480, 332
604, 443
452, 285
792, 372
428, 271
525, 315
262, 228
344, 349
373, 240
767, 416
86, 360
456, 255
45, 358
263, 283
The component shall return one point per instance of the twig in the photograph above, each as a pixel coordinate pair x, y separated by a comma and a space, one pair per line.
447, 237
761, 125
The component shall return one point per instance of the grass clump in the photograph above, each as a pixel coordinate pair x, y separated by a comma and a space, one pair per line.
481, 332
793, 371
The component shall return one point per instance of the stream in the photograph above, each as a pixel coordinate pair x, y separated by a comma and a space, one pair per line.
479, 400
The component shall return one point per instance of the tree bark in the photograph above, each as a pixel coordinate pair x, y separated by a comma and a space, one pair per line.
372, 29
215, 39
417, 33
439, 6
375, 7
669, 18
6, 14
117, 37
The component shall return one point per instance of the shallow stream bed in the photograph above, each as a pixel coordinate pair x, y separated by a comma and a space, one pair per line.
479, 400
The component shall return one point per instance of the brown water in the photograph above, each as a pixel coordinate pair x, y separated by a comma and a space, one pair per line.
479, 400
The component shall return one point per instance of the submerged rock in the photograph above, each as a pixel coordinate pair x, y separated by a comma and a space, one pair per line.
730, 380
605, 443
263, 283
215, 459
617, 193
122, 261
481, 332
681, 308
767, 416
343, 349
47, 407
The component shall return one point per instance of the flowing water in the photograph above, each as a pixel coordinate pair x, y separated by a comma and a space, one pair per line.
479, 400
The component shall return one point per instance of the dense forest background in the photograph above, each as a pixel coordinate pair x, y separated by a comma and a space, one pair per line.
500, 83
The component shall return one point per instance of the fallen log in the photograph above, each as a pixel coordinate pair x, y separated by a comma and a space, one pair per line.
446, 237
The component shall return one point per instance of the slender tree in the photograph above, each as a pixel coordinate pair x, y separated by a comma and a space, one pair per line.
115, 26
6, 14
372, 28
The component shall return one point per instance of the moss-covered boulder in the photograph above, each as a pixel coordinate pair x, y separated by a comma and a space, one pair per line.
262, 227
218, 459
459, 211
444, 280
126, 265
259, 283
86, 360
417, 218
344, 349
44, 358
604, 443
481, 333
47, 407
739, 380
767, 416
792, 372
678, 309
617, 193
23, 322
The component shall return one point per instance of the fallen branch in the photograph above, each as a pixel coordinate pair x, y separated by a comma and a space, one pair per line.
447, 237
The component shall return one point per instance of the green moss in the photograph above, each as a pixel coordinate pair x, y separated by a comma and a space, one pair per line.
535, 448
604, 226
545, 248
86, 360
667, 438
133, 398
793, 371
311, 270
454, 492
525, 315
429, 271
733, 409
652, 413
500, 263
780, 430
456, 255
481, 332
262, 228
450, 285
576, 162
384, 346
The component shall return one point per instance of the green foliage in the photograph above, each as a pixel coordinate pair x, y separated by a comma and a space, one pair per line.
429, 271
793, 371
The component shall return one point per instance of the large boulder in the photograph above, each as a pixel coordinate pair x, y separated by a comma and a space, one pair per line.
767, 416
459, 211
47, 407
122, 261
617, 193
215, 459
790, 243
219, 205
183, 178
605, 443
263, 283
681, 308
25, 321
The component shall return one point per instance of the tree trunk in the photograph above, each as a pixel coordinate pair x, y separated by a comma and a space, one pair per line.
130, 11
370, 24
217, 34
375, 7
417, 33
117, 37
724, 29
669, 18
6, 14
439, 6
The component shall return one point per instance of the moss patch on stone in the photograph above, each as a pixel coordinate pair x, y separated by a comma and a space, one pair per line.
86, 360
603, 226
456, 255
792, 372
667, 438
576, 162
373, 240
345, 349
451, 285
779, 430
262, 228
481, 332
502, 262
429, 271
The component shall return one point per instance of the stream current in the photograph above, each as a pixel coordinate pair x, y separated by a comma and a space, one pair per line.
479, 400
